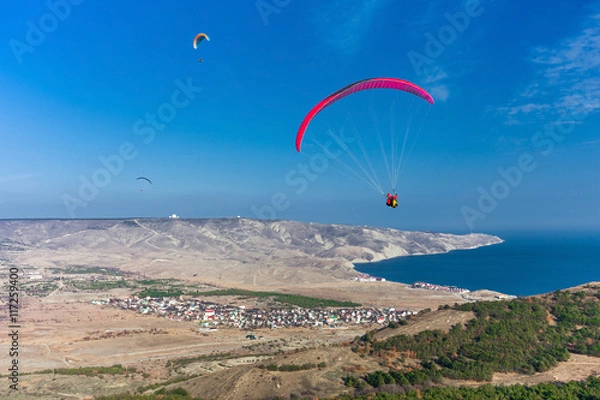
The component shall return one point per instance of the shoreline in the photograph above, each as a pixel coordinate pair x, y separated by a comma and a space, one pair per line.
464, 291
436, 252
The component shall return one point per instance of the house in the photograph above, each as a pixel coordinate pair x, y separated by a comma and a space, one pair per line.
209, 313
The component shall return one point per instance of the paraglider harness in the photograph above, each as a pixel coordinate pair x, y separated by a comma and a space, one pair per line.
392, 200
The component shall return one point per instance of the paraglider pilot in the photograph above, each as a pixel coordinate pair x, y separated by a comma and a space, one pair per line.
392, 200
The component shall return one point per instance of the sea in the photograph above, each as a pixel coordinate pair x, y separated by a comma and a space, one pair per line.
525, 264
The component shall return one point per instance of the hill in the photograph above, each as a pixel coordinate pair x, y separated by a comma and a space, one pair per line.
305, 258
227, 242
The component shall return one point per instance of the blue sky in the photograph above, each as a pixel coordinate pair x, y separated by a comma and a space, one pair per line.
517, 89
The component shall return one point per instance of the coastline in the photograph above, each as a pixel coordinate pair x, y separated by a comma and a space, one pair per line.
466, 293
450, 250
526, 264
355, 263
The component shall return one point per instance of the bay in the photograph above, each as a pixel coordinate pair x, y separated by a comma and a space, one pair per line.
526, 263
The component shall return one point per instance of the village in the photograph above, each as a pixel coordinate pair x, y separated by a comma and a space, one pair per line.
367, 278
439, 288
211, 315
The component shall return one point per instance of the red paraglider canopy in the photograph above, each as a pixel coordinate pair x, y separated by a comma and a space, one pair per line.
365, 84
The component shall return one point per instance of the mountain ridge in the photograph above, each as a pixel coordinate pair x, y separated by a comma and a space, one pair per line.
288, 256
353, 243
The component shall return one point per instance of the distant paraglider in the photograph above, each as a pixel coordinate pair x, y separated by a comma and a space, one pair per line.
144, 179
200, 37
